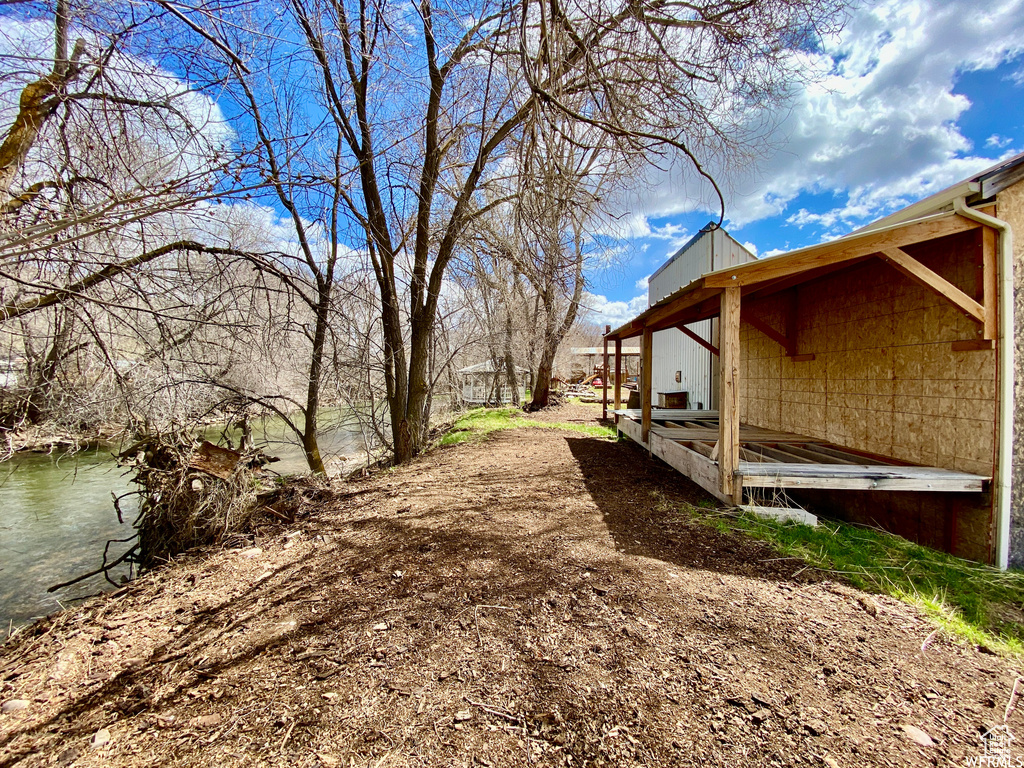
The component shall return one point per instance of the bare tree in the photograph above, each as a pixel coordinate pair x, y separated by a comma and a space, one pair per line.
380, 131
426, 105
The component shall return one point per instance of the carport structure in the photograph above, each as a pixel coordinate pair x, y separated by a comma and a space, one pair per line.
868, 363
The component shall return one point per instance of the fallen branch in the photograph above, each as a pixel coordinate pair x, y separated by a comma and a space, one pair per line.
497, 713
1012, 703
104, 569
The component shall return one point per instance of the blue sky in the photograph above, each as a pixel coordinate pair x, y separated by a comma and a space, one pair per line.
911, 97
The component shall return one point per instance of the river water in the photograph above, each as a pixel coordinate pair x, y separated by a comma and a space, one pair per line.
57, 513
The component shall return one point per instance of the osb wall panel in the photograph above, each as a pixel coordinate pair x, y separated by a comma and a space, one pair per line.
885, 379
1010, 208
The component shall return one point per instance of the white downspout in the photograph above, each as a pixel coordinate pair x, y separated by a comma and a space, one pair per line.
1006, 376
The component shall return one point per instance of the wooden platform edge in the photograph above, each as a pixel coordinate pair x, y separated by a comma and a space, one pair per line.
863, 483
700, 469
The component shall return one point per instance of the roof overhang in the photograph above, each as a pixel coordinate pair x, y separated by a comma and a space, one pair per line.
700, 299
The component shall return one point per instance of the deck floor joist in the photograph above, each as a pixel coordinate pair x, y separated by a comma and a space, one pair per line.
687, 439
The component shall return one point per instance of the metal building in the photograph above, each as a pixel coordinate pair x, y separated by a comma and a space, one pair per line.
681, 364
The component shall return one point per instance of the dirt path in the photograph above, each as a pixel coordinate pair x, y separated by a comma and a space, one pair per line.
527, 600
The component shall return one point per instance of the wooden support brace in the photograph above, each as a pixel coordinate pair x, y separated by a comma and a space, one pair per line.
786, 340
696, 337
767, 330
918, 272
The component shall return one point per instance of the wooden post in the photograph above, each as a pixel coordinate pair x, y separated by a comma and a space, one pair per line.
990, 283
728, 397
618, 376
604, 377
646, 351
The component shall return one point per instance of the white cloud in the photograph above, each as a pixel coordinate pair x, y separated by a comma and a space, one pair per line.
879, 129
750, 247
614, 313
641, 284
998, 142
674, 233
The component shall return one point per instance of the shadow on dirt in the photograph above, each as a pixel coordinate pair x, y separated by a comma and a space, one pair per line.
641, 498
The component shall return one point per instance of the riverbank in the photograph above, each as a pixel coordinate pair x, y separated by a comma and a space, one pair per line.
47, 440
527, 598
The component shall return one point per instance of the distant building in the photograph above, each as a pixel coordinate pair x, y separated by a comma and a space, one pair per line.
591, 361
486, 384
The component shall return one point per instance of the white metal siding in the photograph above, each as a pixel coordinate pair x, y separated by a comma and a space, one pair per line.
673, 351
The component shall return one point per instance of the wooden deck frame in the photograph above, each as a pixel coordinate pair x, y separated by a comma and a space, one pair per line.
769, 459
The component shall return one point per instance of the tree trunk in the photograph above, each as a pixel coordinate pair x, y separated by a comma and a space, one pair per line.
542, 385
553, 336
37, 405
510, 363
408, 424
310, 444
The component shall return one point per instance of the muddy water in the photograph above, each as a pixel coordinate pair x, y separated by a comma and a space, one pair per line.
57, 514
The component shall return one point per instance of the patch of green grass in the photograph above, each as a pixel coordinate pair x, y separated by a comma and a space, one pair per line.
975, 602
479, 422
594, 430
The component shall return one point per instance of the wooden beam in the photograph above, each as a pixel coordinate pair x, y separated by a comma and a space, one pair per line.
855, 457
776, 452
729, 396
696, 337
919, 273
702, 448
845, 249
859, 477
604, 380
746, 437
696, 295
760, 290
695, 466
990, 283
750, 454
646, 349
618, 376
974, 345
807, 451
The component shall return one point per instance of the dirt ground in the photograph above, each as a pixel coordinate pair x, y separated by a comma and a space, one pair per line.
530, 599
